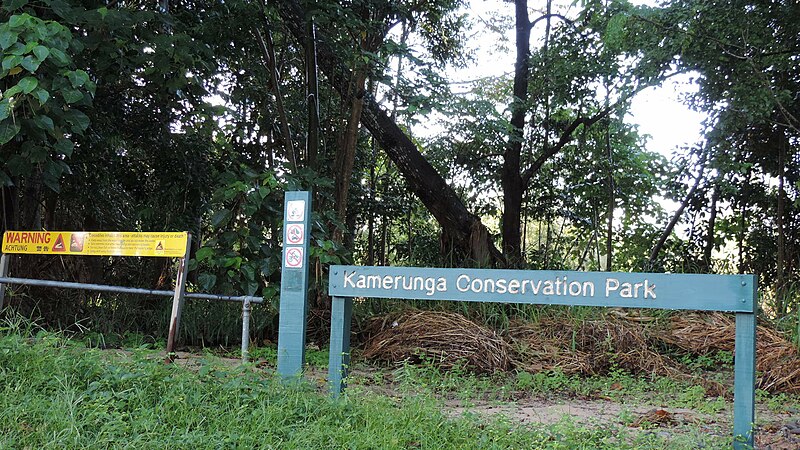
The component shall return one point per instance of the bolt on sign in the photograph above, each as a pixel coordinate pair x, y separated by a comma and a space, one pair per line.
96, 243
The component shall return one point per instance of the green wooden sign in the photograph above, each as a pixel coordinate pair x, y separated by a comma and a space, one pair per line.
731, 293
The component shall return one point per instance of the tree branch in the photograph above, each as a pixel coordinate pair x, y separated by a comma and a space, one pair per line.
565, 139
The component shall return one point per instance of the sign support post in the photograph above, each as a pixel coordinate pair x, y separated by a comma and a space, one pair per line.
294, 284
177, 299
744, 369
339, 356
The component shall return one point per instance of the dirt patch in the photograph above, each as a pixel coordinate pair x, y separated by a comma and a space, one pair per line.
776, 431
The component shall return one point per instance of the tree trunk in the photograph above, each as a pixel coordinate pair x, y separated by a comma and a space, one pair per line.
346, 154
780, 282
712, 221
512, 182
8, 195
268, 49
312, 97
458, 224
610, 206
371, 212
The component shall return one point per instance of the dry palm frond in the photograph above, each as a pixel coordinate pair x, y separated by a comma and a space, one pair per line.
447, 338
777, 359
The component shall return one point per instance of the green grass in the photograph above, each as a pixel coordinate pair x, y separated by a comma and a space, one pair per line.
56, 393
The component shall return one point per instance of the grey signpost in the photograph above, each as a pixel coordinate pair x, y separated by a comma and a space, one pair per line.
294, 284
732, 293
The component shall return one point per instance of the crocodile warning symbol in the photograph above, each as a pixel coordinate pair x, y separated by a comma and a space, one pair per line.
59, 245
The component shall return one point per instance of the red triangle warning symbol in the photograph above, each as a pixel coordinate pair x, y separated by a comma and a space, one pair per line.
59, 245
159, 246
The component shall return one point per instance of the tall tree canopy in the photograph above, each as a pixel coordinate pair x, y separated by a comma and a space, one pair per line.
198, 115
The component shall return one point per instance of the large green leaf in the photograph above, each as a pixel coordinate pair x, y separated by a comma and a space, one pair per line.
42, 95
28, 84
11, 5
13, 90
11, 61
44, 122
79, 120
51, 180
18, 20
7, 39
41, 52
30, 63
5, 109
60, 57
8, 131
72, 95
220, 218
18, 165
78, 78
207, 281
5, 180
204, 253
64, 147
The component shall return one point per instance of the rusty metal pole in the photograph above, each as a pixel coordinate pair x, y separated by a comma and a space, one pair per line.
177, 301
246, 307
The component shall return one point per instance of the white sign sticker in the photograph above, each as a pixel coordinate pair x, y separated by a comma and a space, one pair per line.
295, 233
296, 210
293, 257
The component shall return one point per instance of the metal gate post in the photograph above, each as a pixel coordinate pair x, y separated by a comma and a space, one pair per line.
4, 262
245, 330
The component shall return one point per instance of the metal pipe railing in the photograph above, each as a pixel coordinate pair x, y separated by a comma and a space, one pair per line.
126, 290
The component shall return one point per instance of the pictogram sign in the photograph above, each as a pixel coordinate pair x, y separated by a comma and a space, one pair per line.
76, 242
294, 257
59, 244
295, 210
295, 233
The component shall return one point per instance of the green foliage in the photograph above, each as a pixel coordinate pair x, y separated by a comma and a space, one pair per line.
42, 95
240, 249
57, 395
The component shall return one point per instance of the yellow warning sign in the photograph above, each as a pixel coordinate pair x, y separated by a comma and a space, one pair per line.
96, 243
